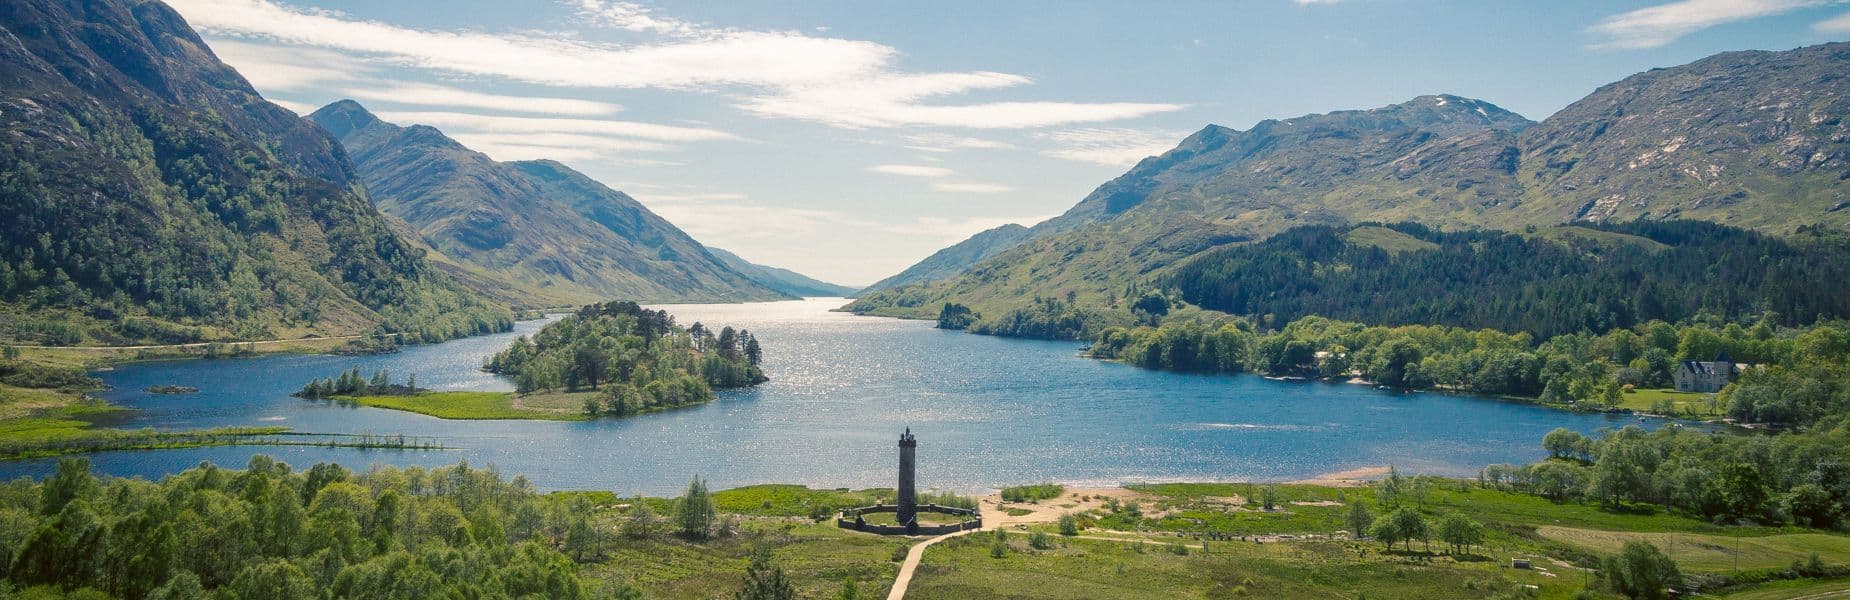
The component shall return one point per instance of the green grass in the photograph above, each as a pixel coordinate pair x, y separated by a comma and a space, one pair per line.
925, 518
1082, 568
816, 558
1389, 240
1032, 493
463, 405
1714, 552
779, 500
1684, 402
1801, 588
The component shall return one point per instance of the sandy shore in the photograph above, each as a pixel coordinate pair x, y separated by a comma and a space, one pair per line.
1351, 478
1081, 499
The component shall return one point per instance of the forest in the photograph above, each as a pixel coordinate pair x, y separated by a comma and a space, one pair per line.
222, 265
1798, 374
1586, 277
636, 358
273, 533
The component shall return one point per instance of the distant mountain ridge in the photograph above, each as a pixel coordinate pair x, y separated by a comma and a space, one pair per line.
955, 259
538, 225
783, 280
150, 194
1755, 139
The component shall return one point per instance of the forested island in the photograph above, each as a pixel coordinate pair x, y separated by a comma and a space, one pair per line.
632, 358
613, 359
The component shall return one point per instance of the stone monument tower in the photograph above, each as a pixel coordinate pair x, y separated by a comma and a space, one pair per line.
908, 495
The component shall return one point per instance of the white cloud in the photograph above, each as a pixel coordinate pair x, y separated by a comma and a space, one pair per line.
468, 122
756, 58
1659, 25
972, 188
438, 95
911, 170
839, 82
593, 144
271, 67
636, 17
1114, 147
696, 197
940, 143
294, 107
892, 100
1837, 24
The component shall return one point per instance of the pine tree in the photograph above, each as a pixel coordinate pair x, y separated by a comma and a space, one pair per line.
694, 512
764, 580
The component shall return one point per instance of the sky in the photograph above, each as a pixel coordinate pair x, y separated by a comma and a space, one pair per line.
848, 139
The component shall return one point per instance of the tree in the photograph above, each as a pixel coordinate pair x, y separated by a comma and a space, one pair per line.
765, 580
848, 590
1386, 531
1460, 532
1563, 443
694, 511
1402, 525
1069, 525
1359, 519
1642, 571
1388, 490
641, 521
72, 481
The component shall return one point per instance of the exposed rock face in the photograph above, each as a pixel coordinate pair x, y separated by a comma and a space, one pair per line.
539, 224
1751, 139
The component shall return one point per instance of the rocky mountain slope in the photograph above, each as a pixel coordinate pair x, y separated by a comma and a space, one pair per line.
148, 193
1753, 139
541, 225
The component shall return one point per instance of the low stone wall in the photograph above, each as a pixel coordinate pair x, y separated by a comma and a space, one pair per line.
973, 521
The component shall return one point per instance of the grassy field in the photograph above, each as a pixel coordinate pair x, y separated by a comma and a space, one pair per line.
1789, 590
782, 500
463, 405
1684, 402
817, 557
1713, 552
1319, 509
1082, 568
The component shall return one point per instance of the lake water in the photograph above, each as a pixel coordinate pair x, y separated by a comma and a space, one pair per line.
987, 411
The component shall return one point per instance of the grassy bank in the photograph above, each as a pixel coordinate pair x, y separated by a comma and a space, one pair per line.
553, 405
464, 405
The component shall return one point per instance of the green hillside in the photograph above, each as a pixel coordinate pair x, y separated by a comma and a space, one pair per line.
1450, 162
150, 195
536, 226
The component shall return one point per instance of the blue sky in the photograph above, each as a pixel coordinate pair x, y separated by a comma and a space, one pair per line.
849, 139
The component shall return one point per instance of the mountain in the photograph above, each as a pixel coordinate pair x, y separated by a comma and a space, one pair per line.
150, 194
783, 280
539, 227
954, 260
1753, 139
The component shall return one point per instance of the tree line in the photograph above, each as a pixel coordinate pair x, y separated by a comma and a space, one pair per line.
637, 358
352, 383
274, 533
1798, 373
1589, 277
